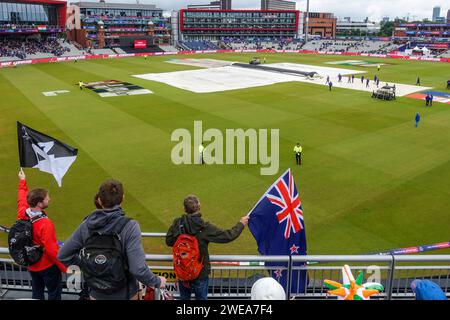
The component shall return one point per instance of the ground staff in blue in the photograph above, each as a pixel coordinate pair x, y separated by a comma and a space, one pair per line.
298, 153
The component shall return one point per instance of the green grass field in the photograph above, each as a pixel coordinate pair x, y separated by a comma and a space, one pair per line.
370, 181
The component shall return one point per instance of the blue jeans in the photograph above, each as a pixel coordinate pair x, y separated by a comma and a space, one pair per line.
49, 278
198, 286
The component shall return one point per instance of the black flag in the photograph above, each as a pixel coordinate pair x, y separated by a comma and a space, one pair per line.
37, 150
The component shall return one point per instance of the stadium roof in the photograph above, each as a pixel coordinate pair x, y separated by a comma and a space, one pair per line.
102, 5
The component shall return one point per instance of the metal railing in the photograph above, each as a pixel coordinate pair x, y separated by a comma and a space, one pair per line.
233, 276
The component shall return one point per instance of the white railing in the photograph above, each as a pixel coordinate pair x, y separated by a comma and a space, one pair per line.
233, 276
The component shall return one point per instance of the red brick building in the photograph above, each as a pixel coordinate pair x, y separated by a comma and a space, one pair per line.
322, 24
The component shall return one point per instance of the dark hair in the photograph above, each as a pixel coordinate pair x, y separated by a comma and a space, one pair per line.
96, 203
35, 196
191, 204
110, 193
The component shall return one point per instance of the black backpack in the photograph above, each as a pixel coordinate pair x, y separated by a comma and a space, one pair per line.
103, 262
20, 242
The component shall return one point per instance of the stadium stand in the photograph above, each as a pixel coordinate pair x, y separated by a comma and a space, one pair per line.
118, 50
31, 48
71, 49
200, 45
445, 54
139, 50
364, 46
168, 48
102, 51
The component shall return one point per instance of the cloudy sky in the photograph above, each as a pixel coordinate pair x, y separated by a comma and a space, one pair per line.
357, 9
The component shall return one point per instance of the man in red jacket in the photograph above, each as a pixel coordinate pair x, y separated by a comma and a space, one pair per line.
46, 273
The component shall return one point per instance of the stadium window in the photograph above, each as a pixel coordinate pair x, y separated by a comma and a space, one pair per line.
28, 15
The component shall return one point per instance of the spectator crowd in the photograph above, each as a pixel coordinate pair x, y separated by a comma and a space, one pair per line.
22, 48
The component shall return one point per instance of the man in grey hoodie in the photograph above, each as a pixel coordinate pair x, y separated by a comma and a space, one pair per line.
104, 220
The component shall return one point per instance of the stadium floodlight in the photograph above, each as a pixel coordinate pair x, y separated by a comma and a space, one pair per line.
307, 21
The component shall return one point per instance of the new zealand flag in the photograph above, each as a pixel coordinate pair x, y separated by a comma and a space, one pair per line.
277, 224
37, 150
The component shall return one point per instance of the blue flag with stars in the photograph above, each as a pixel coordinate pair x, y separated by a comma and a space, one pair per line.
277, 224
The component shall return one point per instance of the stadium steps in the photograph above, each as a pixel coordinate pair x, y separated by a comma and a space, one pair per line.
74, 51
102, 51
6, 59
119, 51
168, 48
39, 56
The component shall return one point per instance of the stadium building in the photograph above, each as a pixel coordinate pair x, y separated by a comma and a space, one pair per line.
133, 27
40, 18
221, 4
197, 24
428, 30
211, 5
321, 24
348, 27
277, 5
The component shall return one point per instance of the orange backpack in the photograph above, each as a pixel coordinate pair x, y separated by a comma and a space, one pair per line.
187, 262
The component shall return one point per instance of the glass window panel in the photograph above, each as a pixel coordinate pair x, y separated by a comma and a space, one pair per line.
33, 12
28, 12
8, 10
25, 12
3, 11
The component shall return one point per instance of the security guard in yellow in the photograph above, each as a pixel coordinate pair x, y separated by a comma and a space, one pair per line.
298, 153
81, 84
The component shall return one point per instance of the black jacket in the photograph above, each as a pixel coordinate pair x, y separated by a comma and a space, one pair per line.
205, 233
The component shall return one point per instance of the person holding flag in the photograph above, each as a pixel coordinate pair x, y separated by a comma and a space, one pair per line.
37, 150
193, 225
46, 272
276, 222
